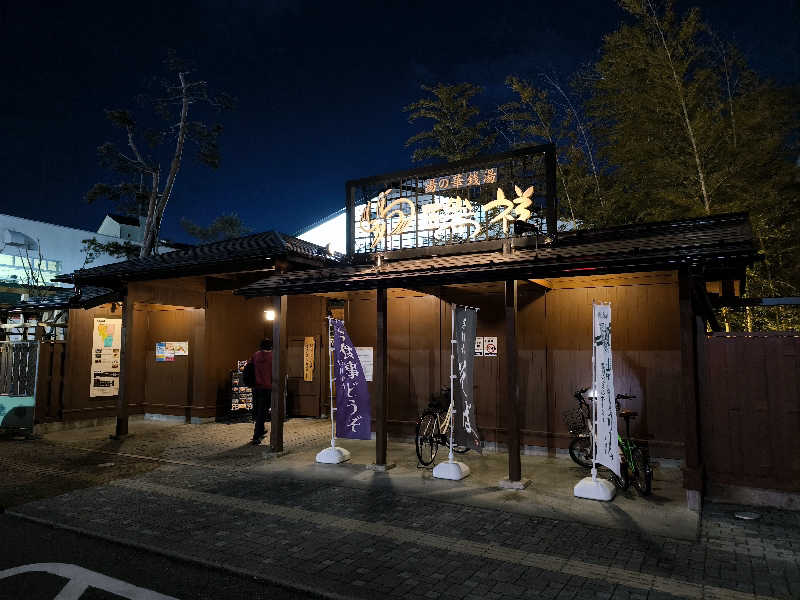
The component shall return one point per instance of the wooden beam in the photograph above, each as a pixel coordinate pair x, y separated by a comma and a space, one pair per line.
512, 388
689, 382
125, 363
381, 378
543, 282
279, 351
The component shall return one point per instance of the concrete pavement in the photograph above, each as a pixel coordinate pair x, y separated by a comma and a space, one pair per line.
344, 531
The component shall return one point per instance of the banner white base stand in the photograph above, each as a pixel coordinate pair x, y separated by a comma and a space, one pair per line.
595, 489
333, 455
451, 470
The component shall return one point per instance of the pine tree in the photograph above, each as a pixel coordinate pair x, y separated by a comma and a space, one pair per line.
224, 227
142, 186
456, 132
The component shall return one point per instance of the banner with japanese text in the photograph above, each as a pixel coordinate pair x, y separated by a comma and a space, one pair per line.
465, 431
353, 416
606, 451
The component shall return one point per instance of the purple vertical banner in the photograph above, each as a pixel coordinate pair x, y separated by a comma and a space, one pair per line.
353, 417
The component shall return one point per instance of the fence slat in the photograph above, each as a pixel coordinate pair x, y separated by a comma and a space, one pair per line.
751, 410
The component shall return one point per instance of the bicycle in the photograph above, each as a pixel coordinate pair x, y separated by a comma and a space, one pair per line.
635, 464
433, 429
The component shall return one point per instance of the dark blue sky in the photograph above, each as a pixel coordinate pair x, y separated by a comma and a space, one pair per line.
320, 87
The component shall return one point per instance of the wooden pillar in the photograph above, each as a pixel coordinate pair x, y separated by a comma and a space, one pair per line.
279, 350
125, 362
381, 386
693, 462
512, 388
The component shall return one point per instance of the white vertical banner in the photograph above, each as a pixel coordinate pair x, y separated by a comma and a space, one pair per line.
605, 414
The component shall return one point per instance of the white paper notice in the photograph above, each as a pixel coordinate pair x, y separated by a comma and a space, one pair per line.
607, 453
490, 346
106, 344
478, 346
365, 356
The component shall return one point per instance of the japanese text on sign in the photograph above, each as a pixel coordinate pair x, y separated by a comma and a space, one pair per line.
457, 215
606, 452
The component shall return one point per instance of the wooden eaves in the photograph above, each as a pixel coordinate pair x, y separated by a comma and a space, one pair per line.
712, 247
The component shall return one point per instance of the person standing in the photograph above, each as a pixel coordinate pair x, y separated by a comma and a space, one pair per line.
262, 389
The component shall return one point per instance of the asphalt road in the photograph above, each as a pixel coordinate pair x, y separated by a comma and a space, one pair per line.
24, 543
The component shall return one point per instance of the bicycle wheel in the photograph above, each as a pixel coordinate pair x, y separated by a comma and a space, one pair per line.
623, 482
580, 449
642, 472
426, 438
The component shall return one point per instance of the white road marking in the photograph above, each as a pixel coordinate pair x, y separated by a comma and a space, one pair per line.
80, 579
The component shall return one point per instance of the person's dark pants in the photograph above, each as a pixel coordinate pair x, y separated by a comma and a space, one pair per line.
261, 403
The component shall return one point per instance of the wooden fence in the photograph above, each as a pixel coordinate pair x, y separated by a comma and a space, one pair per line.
18, 368
750, 409
50, 383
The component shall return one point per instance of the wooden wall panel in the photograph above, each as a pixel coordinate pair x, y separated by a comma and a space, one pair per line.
361, 323
750, 410
77, 405
306, 317
646, 354
399, 362
167, 385
424, 357
233, 329
50, 382
532, 365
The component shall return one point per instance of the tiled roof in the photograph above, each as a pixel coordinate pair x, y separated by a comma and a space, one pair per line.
723, 241
87, 297
240, 254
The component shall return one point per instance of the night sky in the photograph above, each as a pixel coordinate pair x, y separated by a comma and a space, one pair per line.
320, 88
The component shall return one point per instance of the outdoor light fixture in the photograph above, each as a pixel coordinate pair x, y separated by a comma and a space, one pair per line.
269, 315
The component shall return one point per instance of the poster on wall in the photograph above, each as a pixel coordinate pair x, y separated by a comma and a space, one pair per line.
478, 346
308, 359
165, 352
606, 450
106, 347
179, 348
490, 346
365, 356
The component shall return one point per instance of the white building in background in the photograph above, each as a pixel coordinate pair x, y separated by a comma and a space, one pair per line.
330, 230
60, 248
130, 229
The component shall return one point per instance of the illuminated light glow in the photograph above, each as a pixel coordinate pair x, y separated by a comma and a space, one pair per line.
269, 315
455, 214
459, 180
386, 213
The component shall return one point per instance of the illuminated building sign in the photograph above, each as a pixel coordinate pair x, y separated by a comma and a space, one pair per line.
480, 199
449, 216
460, 180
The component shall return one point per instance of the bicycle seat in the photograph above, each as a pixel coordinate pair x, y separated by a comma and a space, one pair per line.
628, 414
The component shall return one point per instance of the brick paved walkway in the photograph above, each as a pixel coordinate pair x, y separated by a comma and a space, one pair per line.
371, 540
213, 444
